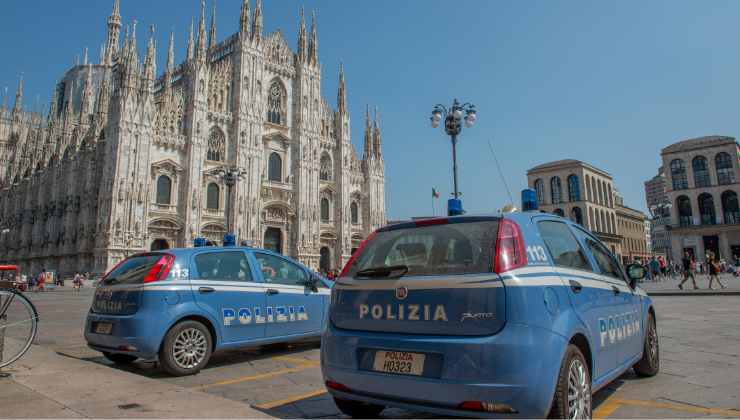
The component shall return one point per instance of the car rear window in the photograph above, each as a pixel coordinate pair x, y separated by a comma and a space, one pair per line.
132, 270
453, 248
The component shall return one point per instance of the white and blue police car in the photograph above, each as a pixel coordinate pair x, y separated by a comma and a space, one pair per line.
180, 305
521, 315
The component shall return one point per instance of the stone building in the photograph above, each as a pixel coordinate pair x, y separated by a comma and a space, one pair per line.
702, 186
583, 193
128, 161
659, 207
631, 227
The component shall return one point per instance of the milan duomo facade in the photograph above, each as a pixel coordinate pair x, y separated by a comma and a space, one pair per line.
127, 161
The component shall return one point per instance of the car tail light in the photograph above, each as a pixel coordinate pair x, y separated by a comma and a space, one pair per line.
161, 269
487, 407
357, 254
471, 406
510, 252
336, 386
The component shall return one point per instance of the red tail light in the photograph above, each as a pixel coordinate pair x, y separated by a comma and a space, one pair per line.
510, 252
336, 386
357, 254
471, 406
161, 269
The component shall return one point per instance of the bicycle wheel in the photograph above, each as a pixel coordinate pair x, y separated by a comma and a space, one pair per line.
18, 326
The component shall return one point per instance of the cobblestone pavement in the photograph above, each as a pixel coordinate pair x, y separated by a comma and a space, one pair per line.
700, 375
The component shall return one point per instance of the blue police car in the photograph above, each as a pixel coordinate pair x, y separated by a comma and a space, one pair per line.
522, 315
181, 305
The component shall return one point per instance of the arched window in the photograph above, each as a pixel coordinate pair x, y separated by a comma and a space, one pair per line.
701, 172
614, 224
325, 210
594, 191
678, 175
725, 171
556, 191
597, 216
577, 215
354, 213
216, 146
706, 209
539, 188
610, 195
591, 222
213, 197
559, 212
588, 189
275, 168
730, 207
685, 214
325, 172
604, 227
164, 190
276, 104
574, 188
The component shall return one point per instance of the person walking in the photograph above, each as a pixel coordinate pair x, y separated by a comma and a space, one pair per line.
714, 270
77, 282
654, 268
687, 271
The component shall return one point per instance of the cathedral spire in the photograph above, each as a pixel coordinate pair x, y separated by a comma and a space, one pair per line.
313, 45
150, 62
302, 38
133, 49
18, 106
53, 110
377, 143
341, 93
85, 57
87, 97
212, 34
368, 151
101, 107
191, 46
116, 8
114, 30
201, 52
244, 19
171, 53
5, 98
257, 22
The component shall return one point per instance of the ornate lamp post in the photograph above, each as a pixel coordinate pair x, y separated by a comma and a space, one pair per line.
453, 118
230, 175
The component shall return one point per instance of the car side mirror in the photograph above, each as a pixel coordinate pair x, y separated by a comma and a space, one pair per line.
313, 283
635, 272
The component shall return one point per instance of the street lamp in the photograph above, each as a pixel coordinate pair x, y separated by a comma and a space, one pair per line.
230, 175
453, 118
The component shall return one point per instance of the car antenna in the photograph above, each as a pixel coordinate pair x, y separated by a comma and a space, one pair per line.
500, 173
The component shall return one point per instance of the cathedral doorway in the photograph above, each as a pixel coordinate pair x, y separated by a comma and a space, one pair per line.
274, 240
159, 244
325, 260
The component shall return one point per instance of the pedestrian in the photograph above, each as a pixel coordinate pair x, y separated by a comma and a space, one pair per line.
77, 282
654, 268
687, 271
714, 270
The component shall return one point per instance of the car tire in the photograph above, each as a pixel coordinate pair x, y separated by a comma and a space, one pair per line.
186, 349
574, 379
120, 359
649, 365
358, 410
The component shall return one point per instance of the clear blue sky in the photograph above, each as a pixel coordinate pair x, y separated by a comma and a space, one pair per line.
610, 83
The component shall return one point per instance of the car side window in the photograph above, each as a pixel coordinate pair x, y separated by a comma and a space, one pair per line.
604, 260
223, 266
563, 246
276, 270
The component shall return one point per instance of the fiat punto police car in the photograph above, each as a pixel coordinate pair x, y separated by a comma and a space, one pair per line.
180, 305
524, 315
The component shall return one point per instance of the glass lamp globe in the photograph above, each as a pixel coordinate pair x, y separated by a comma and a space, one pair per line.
436, 116
457, 113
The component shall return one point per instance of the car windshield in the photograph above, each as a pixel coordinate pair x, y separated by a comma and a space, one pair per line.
453, 248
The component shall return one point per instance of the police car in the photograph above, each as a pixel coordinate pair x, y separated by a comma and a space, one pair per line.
181, 305
523, 315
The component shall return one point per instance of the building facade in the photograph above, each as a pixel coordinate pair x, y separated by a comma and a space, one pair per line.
128, 161
702, 187
582, 192
631, 226
659, 207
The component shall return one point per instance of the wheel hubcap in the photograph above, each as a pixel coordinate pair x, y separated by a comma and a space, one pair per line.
190, 348
579, 391
653, 344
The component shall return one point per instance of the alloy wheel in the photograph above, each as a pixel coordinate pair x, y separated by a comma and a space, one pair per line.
190, 348
579, 391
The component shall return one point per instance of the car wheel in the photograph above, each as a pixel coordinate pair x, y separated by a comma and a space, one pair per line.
573, 392
120, 359
186, 349
649, 365
356, 409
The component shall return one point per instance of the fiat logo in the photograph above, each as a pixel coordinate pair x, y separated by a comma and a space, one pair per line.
402, 293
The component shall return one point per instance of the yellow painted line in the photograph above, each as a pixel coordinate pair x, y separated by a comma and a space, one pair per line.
260, 376
284, 401
682, 407
296, 360
606, 408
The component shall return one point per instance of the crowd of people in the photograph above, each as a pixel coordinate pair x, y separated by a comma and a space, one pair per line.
658, 269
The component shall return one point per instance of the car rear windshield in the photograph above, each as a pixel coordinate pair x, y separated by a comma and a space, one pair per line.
132, 271
453, 248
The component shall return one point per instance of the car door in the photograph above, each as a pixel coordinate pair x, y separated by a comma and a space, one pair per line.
589, 297
224, 285
292, 307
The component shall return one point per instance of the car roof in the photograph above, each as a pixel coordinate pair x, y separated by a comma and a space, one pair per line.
519, 217
187, 252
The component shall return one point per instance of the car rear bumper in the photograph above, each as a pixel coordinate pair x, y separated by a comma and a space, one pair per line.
517, 367
130, 335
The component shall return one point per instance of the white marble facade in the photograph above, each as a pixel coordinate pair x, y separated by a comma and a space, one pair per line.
126, 161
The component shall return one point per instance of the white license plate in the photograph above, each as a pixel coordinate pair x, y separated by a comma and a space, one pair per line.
399, 362
103, 328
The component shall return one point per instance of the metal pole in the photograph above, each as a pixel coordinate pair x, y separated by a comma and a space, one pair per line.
454, 164
2, 331
228, 207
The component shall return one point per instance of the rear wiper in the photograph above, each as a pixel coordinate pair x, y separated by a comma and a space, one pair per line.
392, 272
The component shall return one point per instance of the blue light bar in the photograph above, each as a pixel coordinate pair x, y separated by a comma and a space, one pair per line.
529, 200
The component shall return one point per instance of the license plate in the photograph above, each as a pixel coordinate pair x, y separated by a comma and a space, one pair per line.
103, 328
399, 362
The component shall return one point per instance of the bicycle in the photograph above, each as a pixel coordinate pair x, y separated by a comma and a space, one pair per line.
18, 324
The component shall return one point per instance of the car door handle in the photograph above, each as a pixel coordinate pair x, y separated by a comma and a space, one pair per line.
616, 290
272, 292
575, 286
206, 290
